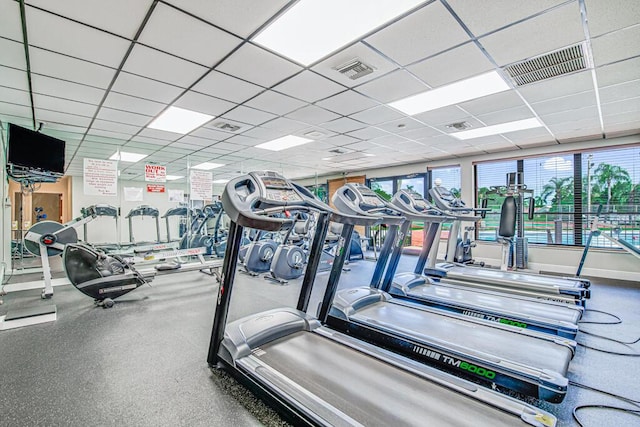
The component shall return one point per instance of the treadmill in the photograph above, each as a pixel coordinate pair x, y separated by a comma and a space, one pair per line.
316, 376
521, 312
571, 290
495, 355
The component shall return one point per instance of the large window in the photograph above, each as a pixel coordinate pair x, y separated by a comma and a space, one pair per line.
449, 177
567, 190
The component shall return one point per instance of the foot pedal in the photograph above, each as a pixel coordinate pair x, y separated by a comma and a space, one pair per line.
28, 317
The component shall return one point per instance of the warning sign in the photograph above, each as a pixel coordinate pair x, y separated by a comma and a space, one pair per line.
155, 173
155, 188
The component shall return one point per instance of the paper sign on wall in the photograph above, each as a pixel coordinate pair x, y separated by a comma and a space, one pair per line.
176, 195
100, 177
155, 173
133, 194
201, 185
155, 188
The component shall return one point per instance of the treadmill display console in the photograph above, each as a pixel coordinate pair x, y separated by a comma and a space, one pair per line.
279, 190
370, 198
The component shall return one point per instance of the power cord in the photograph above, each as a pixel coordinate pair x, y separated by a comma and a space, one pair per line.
578, 408
616, 321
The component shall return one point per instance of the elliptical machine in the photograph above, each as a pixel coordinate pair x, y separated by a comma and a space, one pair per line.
259, 254
289, 259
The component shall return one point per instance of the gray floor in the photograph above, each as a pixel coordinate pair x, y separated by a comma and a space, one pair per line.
143, 362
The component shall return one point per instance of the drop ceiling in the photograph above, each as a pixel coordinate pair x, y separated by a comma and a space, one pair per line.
96, 73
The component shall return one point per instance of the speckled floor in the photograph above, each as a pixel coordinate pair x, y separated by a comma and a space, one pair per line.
143, 362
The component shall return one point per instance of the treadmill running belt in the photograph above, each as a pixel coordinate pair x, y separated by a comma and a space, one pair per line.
373, 392
499, 276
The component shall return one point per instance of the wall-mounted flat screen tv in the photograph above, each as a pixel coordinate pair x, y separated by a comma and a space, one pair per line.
34, 150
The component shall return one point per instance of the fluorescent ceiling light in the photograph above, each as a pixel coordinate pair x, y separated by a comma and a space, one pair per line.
284, 143
220, 181
207, 166
123, 156
311, 29
179, 120
173, 177
498, 129
454, 93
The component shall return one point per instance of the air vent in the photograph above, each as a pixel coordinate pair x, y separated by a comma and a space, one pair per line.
355, 69
337, 151
314, 134
459, 126
227, 126
564, 61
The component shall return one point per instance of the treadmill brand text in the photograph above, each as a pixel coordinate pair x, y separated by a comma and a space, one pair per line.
494, 318
465, 366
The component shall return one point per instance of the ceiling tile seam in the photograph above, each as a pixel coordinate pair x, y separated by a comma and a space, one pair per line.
594, 78
617, 30
526, 18
93, 27
117, 73
10, 39
617, 61
72, 57
25, 45
495, 64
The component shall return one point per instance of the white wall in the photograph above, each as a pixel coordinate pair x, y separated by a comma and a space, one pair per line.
103, 229
606, 263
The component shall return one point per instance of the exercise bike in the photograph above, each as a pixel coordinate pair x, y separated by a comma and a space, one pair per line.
259, 254
289, 259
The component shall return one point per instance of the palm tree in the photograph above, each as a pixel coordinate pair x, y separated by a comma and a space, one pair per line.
560, 188
608, 176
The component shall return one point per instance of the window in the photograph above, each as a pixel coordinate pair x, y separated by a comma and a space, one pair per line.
449, 178
493, 174
412, 182
384, 187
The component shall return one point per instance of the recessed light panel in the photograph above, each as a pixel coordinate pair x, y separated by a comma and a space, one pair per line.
179, 120
312, 29
284, 143
173, 177
454, 93
220, 181
206, 166
123, 156
498, 129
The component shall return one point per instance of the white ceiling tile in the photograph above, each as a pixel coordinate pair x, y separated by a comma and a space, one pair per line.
203, 103
529, 135
445, 115
241, 17
426, 32
62, 35
456, 64
347, 103
249, 115
616, 46
150, 63
526, 39
122, 17
58, 104
284, 125
14, 96
12, 54
63, 89
504, 116
313, 115
256, 65
125, 117
195, 142
341, 140
375, 115
16, 79
149, 140
71, 69
211, 134
400, 125
10, 21
557, 87
224, 146
121, 128
420, 133
60, 117
368, 133
226, 87
309, 87
145, 88
99, 136
603, 16
175, 32
342, 125
561, 118
276, 103
619, 107
361, 52
619, 72
218, 126
131, 103
159, 134
395, 85
495, 102
244, 141
389, 141
565, 103
481, 18
16, 110
265, 133
620, 91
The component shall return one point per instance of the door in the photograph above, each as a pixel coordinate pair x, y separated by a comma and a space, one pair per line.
46, 206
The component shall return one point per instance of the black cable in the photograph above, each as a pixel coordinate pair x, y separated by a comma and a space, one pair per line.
633, 402
617, 320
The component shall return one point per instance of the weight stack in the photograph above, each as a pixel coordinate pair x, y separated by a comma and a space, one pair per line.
521, 245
